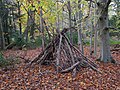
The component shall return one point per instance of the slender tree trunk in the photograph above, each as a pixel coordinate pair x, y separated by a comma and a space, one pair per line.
5, 27
62, 18
70, 23
91, 38
42, 28
80, 43
14, 22
95, 42
58, 19
91, 31
46, 27
20, 25
30, 25
95, 31
74, 23
2, 39
26, 29
105, 54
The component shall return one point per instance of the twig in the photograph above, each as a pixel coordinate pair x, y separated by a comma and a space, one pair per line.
70, 68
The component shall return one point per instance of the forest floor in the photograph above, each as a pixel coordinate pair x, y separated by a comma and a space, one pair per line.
45, 78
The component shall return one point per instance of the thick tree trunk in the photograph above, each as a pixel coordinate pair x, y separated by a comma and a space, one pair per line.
105, 54
30, 25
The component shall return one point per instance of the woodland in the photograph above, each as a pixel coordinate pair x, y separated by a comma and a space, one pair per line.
59, 44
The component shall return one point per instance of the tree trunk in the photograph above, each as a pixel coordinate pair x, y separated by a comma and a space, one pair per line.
91, 37
70, 23
2, 39
30, 24
26, 29
105, 54
20, 25
95, 31
62, 17
32, 27
58, 19
42, 28
91, 31
79, 16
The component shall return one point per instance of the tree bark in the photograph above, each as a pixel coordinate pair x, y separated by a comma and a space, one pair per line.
105, 55
95, 31
91, 30
70, 23
58, 19
30, 24
79, 16
2, 39
19, 13
42, 28
91, 37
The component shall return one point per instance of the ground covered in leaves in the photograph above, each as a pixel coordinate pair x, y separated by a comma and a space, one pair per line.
19, 77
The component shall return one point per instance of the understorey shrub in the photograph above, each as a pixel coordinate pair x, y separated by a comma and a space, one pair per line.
8, 62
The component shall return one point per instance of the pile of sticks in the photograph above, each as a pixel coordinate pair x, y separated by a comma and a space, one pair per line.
63, 55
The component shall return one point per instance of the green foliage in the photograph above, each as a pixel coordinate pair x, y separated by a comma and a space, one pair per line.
3, 62
114, 42
50, 15
19, 41
75, 38
38, 41
10, 61
86, 42
115, 22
